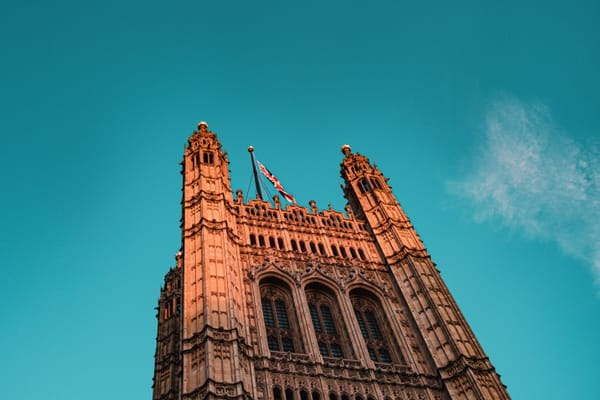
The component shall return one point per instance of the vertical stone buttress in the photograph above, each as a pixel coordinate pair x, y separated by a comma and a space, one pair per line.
463, 366
214, 351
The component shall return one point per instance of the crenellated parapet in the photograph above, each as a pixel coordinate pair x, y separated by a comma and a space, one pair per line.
272, 301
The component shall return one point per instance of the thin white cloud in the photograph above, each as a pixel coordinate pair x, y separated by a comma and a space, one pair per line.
534, 178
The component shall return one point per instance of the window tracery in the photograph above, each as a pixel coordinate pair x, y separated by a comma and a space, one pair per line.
374, 327
328, 325
279, 317
364, 186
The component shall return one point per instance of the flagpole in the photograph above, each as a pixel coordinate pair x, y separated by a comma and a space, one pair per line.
256, 181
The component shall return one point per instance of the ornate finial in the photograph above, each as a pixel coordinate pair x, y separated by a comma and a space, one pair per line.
346, 150
313, 207
349, 211
250, 149
239, 196
202, 126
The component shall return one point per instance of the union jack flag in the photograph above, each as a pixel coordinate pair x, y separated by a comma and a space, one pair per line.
275, 182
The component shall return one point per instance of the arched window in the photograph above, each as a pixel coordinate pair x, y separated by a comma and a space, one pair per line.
313, 248
280, 243
316, 395
277, 393
374, 327
253, 239
302, 246
328, 324
375, 183
322, 249
289, 394
261, 240
343, 251
208, 158
361, 253
364, 185
352, 252
271, 241
294, 245
279, 317
334, 250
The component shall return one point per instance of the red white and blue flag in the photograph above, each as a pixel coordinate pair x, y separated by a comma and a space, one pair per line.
275, 182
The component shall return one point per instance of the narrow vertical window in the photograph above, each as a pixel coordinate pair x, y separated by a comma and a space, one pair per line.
352, 252
361, 187
328, 320
277, 393
208, 158
366, 185
361, 254
321, 249
268, 312
282, 316
373, 325
302, 246
375, 183
314, 315
343, 251
334, 250
271, 242
361, 324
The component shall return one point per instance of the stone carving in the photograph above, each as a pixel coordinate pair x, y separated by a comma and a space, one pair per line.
370, 246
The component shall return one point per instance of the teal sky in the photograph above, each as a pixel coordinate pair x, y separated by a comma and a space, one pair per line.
485, 117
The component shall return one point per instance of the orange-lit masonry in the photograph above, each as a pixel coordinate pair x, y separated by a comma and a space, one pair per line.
307, 304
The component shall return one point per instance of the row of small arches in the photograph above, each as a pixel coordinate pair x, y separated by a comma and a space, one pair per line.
207, 157
300, 245
289, 394
366, 184
300, 216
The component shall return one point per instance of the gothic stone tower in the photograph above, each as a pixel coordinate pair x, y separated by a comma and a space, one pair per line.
275, 303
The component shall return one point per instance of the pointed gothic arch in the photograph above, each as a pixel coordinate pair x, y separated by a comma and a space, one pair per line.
327, 321
375, 327
279, 316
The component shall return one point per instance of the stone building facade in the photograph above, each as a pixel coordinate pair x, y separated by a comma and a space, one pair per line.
294, 303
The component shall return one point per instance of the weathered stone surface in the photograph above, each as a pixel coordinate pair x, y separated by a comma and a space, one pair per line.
301, 304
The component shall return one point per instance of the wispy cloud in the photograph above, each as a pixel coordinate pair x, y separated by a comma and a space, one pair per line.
531, 176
